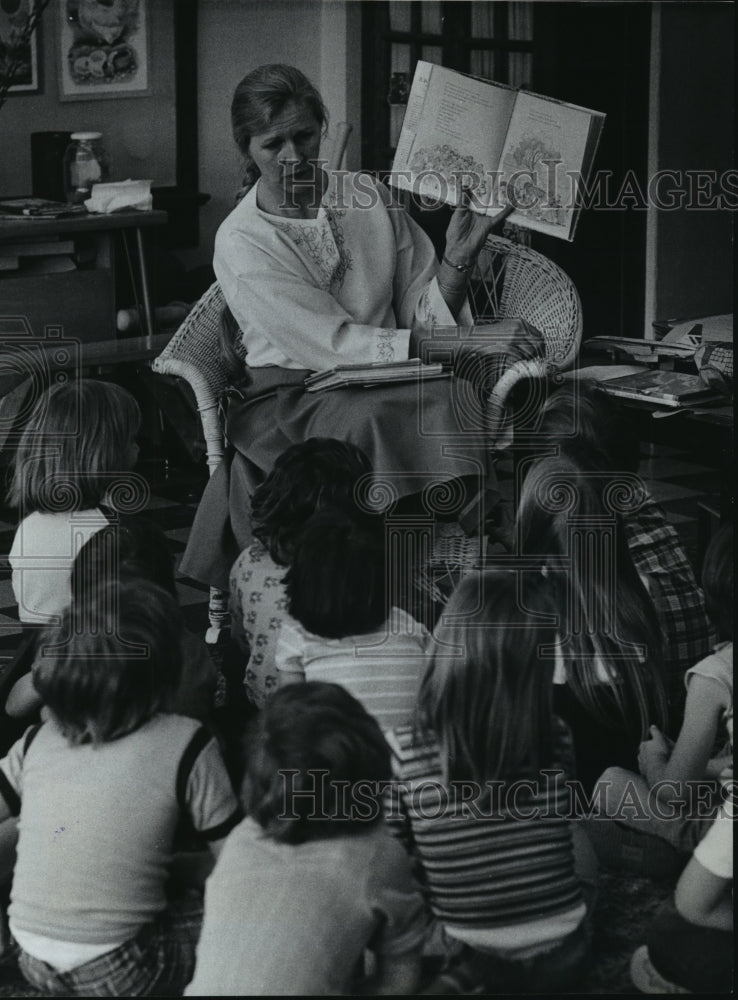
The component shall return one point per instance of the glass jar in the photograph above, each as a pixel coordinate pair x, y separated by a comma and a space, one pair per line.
85, 163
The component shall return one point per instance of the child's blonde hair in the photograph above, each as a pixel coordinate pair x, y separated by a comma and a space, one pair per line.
78, 434
605, 609
487, 692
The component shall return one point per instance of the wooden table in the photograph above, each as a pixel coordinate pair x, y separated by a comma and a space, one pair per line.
57, 354
81, 300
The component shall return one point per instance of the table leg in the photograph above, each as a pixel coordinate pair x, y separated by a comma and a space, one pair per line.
148, 313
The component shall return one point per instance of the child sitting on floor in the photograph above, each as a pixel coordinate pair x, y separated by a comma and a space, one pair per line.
482, 799
76, 452
667, 769
342, 626
133, 547
600, 435
101, 788
690, 945
311, 879
307, 476
608, 677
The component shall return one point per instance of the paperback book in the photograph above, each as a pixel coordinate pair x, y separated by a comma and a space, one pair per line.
505, 146
378, 373
667, 388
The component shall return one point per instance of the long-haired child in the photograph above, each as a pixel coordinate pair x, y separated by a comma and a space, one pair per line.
100, 788
311, 879
599, 434
609, 683
482, 800
342, 626
79, 439
78, 443
307, 476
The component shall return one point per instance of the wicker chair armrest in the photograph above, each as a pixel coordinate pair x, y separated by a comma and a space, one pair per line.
207, 403
529, 368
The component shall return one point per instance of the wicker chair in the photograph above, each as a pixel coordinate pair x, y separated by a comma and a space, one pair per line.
193, 354
510, 280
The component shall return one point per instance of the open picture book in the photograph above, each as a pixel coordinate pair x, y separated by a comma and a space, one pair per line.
504, 145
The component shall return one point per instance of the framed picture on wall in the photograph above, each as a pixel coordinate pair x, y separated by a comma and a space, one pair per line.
19, 66
103, 49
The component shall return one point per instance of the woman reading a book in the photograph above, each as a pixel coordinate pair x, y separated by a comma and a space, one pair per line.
320, 269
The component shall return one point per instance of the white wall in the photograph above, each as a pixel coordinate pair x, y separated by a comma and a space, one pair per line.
235, 36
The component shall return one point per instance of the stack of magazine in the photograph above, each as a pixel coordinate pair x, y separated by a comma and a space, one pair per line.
377, 373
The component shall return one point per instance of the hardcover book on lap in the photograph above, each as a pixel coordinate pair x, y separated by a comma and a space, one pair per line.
505, 145
378, 373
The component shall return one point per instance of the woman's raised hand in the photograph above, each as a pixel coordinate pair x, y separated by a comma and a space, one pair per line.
468, 230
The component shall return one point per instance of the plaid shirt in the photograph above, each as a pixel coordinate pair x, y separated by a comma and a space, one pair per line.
680, 604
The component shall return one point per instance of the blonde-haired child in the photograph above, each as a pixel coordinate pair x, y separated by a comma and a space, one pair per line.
79, 439
482, 801
76, 450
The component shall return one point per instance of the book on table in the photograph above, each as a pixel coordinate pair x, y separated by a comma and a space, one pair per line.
39, 208
506, 146
667, 388
376, 373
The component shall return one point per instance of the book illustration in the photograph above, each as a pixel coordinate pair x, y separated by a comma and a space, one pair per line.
529, 169
545, 149
454, 167
505, 145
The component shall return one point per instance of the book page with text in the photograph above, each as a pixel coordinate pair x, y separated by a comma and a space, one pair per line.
545, 139
453, 133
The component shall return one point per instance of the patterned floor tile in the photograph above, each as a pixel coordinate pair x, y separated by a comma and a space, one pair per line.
188, 595
664, 467
180, 535
6, 594
9, 625
157, 503
664, 491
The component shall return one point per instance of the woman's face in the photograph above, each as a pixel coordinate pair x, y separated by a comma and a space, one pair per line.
285, 152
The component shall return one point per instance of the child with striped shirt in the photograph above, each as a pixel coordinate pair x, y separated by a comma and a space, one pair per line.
482, 800
341, 626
